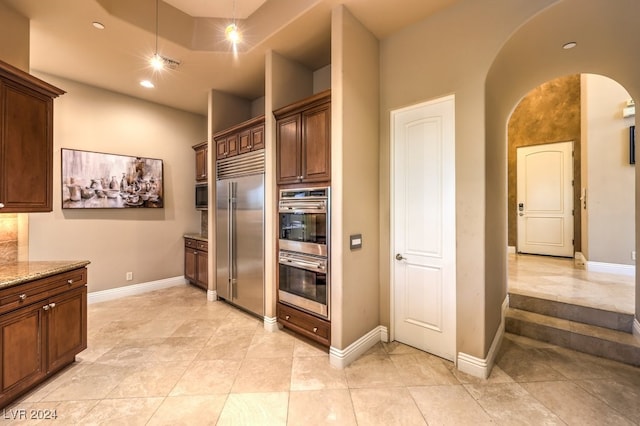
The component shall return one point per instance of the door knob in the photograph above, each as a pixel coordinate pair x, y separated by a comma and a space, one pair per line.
399, 257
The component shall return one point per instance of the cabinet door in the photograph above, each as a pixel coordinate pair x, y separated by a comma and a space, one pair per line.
232, 145
202, 271
26, 150
190, 262
21, 349
244, 141
66, 327
316, 144
288, 149
201, 164
257, 137
221, 148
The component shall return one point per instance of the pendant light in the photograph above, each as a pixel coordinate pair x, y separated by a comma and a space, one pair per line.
231, 32
157, 61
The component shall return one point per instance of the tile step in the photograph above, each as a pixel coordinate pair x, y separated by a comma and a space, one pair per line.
587, 315
603, 342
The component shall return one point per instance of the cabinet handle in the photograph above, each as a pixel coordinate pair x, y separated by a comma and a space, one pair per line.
315, 329
22, 297
1, 205
195, 252
52, 305
286, 317
69, 281
45, 307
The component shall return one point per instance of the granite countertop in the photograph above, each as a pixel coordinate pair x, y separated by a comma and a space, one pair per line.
15, 273
196, 237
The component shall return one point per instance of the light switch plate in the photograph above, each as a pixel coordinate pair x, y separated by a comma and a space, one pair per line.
355, 241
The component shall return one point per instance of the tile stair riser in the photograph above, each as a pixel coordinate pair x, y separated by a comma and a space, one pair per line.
572, 340
598, 317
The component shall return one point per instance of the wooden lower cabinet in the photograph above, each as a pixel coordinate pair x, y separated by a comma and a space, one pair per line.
196, 268
44, 331
303, 323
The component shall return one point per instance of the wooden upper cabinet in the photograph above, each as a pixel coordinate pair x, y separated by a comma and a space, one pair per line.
316, 144
26, 142
288, 148
244, 137
257, 137
303, 140
201, 161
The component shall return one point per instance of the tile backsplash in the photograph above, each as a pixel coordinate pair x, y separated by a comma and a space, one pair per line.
8, 237
204, 222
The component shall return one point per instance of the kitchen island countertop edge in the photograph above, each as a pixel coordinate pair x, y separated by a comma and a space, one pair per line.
15, 273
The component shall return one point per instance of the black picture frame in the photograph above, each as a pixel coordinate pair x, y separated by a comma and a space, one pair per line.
632, 145
96, 180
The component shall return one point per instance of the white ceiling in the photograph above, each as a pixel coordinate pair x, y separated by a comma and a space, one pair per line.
240, 9
64, 43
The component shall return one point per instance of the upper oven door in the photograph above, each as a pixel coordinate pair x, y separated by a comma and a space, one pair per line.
303, 220
304, 232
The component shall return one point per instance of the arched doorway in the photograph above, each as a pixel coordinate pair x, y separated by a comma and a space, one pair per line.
589, 111
533, 55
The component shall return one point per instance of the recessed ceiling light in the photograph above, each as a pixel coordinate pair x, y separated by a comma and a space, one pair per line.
569, 45
148, 84
98, 25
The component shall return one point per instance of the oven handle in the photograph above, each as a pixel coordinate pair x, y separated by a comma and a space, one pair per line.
302, 207
304, 264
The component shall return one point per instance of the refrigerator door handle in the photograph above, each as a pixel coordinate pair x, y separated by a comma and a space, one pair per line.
233, 189
230, 237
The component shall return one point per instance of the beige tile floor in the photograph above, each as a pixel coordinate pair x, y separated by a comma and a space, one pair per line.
170, 357
562, 280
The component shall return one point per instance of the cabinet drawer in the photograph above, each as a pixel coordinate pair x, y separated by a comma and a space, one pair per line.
34, 291
202, 245
306, 324
191, 243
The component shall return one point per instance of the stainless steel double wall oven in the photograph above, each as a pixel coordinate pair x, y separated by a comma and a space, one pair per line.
304, 254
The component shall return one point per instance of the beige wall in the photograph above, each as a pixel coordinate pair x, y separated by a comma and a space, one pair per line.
354, 179
147, 242
451, 54
14, 38
610, 178
549, 113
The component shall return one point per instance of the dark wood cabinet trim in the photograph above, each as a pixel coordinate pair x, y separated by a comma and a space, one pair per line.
310, 102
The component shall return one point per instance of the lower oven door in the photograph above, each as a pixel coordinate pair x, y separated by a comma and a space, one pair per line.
303, 282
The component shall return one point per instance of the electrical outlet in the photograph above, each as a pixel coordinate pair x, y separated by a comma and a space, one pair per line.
633, 255
129, 276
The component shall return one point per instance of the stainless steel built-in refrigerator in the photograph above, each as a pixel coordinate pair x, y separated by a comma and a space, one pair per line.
240, 231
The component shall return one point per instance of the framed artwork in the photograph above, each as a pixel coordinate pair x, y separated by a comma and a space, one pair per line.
95, 180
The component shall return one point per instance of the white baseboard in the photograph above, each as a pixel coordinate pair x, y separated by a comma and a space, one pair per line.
611, 268
271, 324
132, 290
511, 250
341, 358
212, 295
636, 327
384, 334
481, 367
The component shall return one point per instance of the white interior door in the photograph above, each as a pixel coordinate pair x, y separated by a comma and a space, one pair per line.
423, 268
545, 199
